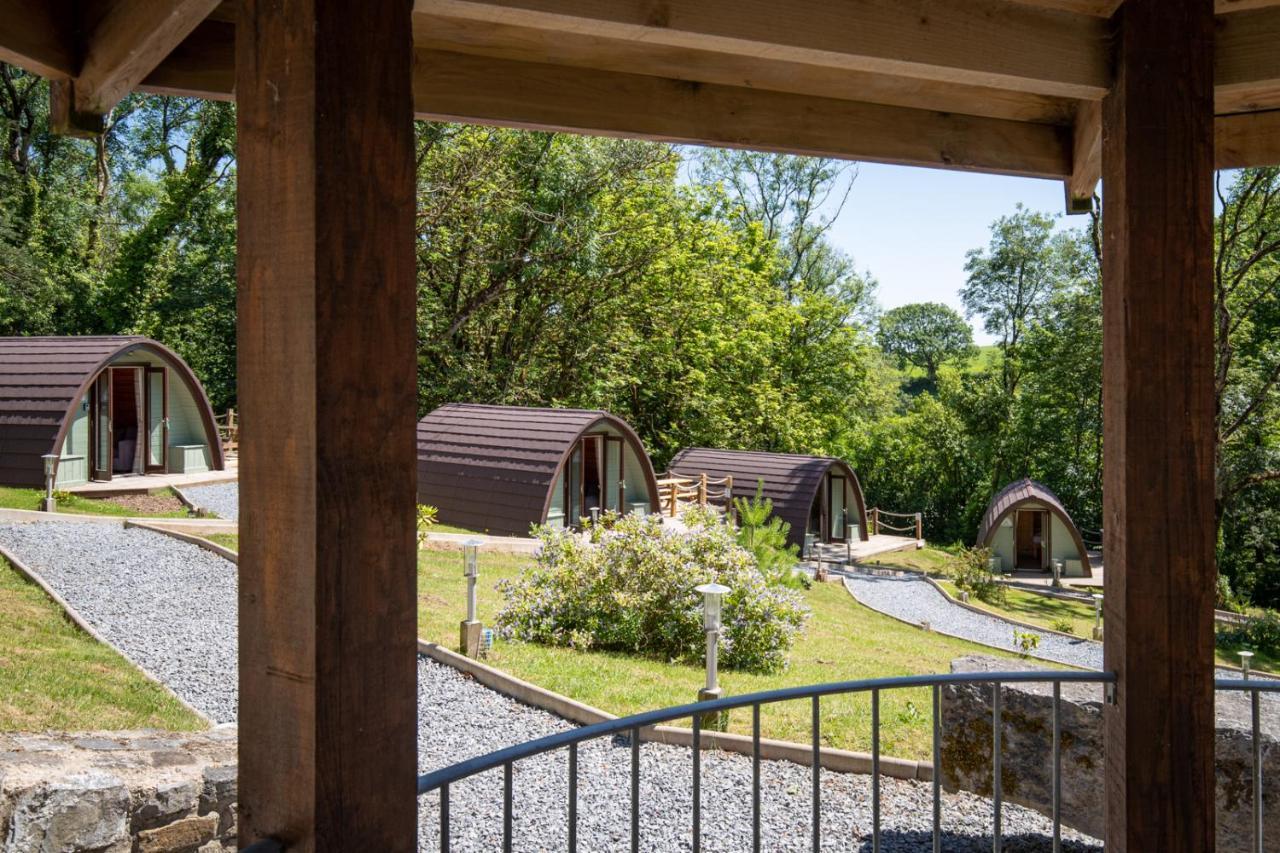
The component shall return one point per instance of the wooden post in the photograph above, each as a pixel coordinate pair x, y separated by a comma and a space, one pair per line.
702, 489
919, 527
1158, 410
875, 521
328, 710
671, 501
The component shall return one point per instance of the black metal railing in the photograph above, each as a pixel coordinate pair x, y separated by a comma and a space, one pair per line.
1255, 688
632, 727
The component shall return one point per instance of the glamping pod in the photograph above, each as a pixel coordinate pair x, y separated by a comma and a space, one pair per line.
106, 406
502, 469
814, 494
1026, 527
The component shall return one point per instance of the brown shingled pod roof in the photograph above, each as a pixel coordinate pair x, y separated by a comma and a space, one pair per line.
42, 379
491, 468
1021, 493
790, 480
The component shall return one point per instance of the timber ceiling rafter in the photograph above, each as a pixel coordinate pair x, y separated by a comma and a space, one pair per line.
1008, 86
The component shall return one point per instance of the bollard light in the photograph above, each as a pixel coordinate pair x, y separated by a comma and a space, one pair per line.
1057, 574
712, 598
50, 466
1097, 616
469, 633
848, 540
1245, 658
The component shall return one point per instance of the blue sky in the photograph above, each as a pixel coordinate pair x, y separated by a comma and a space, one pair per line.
910, 227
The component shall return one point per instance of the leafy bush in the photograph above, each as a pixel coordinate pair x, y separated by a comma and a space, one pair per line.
970, 573
1025, 642
1226, 598
765, 536
427, 516
1257, 633
628, 586
1066, 626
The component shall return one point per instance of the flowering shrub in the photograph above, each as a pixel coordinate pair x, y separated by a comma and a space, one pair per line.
628, 586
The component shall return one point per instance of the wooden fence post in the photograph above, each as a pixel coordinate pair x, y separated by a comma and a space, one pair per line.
702, 489
919, 527
875, 521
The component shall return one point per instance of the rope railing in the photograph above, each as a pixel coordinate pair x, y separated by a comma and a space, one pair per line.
695, 489
876, 514
634, 726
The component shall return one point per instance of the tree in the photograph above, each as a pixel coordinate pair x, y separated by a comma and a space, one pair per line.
925, 334
1009, 283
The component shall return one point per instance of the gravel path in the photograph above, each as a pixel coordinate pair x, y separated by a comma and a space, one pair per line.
221, 499
914, 600
540, 791
168, 605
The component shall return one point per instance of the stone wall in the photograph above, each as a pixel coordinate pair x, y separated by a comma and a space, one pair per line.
118, 792
1027, 739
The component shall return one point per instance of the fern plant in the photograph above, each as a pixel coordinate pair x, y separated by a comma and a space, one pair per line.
765, 536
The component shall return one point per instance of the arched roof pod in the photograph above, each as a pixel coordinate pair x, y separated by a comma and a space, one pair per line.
43, 379
494, 468
791, 481
1029, 493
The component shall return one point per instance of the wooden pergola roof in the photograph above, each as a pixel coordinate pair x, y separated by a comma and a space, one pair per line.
1007, 86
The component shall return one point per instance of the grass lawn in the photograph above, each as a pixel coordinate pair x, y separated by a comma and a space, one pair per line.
54, 676
933, 561
230, 541
843, 641
13, 498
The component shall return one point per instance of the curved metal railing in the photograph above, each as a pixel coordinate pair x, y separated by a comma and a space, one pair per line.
632, 726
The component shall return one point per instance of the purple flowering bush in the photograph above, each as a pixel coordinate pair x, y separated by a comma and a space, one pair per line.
628, 586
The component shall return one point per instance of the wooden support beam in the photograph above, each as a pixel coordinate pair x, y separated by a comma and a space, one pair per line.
37, 36
460, 87
1086, 157
327, 367
130, 40
1247, 66
1247, 139
977, 42
1158, 410
202, 66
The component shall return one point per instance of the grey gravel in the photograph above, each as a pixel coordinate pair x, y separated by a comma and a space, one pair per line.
912, 599
460, 719
221, 499
168, 605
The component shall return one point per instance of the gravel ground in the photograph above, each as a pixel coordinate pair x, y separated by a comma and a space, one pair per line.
489, 721
913, 600
221, 499
168, 605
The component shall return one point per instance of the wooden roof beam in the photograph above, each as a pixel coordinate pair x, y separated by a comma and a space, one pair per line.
1086, 157
460, 87
37, 37
126, 45
993, 43
1246, 61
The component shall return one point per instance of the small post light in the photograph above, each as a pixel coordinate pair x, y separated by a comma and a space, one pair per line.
1057, 574
848, 540
1245, 659
469, 635
808, 546
712, 597
1097, 616
50, 467
595, 516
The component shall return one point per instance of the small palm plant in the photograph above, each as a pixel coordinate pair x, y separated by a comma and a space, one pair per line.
765, 536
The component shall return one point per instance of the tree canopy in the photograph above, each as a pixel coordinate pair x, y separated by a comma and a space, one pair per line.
925, 334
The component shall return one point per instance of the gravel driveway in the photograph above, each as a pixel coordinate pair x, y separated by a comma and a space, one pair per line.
171, 607
221, 499
168, 605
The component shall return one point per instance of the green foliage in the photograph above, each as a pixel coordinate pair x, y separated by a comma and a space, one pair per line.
925, 334
1025, 642
765, 535
1066, 626
629, 587
428, 516
970, 572
1259, 633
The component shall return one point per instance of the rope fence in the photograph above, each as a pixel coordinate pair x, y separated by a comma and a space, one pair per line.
916, 525
698, 490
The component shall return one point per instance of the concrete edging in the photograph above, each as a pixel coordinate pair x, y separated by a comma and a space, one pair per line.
838, 760
191, 538
83, 624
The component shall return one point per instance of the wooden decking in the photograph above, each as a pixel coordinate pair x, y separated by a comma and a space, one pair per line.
136, 484
839, 552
